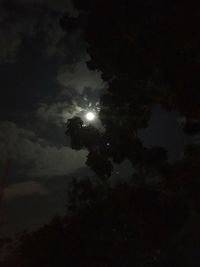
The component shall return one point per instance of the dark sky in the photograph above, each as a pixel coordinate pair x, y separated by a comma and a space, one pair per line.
45, 81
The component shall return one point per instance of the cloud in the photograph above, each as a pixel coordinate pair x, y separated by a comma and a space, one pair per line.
53, 161
34, 156
22, 189
22, 18
12, 27
80, 91
11, 136
57, 113
78, 76
19, 18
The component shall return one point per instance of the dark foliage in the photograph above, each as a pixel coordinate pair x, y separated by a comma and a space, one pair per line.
125, 225
148, 53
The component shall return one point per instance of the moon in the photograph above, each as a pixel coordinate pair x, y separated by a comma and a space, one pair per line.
90, 116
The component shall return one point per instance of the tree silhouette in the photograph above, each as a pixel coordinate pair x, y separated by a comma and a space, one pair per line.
147, 49
125, 225
147, 52
111, 226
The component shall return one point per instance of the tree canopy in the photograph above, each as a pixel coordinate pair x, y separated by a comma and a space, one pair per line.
147, 52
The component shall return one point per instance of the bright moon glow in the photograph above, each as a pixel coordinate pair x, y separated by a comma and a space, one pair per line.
90, 116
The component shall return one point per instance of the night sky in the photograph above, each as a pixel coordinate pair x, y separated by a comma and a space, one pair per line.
45, 81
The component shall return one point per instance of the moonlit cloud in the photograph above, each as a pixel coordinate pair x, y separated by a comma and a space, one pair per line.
53, 161
34, 156
57, 113
78, 76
